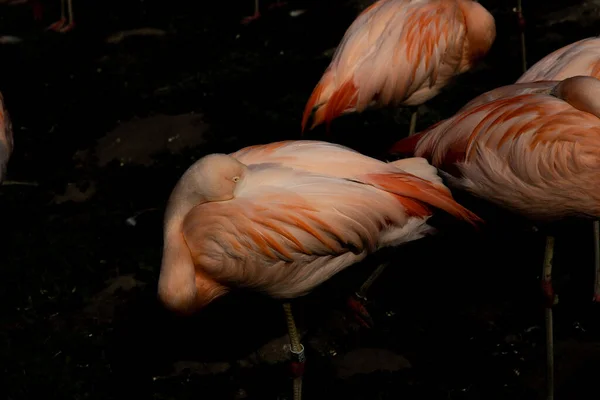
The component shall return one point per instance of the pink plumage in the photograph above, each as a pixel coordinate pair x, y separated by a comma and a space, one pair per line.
284, 217
533, 153
579, 58
401, 52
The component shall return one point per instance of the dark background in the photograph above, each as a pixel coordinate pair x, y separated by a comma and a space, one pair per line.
457, 316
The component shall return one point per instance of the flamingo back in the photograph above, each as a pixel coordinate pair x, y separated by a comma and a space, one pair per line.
542, 87
400, 52
579, 58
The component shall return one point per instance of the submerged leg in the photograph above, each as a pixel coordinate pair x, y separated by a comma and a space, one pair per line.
247, 20
552, 299
597, 261
358, 301
297, 350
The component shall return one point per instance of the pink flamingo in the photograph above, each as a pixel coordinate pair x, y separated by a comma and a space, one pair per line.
534, 152
284, 217
581, 58
401, 53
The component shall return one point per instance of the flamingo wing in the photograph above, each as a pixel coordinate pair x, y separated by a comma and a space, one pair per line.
395, 52
287, 231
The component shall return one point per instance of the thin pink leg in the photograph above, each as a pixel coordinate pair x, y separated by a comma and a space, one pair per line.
71, 23
247, 20
60, 24
551, 300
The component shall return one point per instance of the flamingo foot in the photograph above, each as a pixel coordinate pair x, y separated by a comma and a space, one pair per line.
58, 25
247, 20
67, 28
277, 4
359, 312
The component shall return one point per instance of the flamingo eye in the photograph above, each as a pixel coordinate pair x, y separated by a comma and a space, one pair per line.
235, 179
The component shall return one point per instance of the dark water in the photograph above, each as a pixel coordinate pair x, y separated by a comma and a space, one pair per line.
463, 308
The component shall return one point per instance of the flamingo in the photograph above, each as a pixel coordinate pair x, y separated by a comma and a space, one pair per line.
256, 15
401, 53
581, 58
284, 217
6, 139
534, 152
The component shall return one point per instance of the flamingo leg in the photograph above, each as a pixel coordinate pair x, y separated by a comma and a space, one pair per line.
358, 301
597, 261
413, 122
297, 350
247, 20
58, 25
71, 23
552, 299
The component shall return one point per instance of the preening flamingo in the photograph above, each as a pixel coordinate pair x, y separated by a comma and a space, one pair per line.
534, 152
284, 217
256, 14
6, 139
401, 53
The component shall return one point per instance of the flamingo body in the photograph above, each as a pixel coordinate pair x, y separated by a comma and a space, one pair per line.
6, 139
284, 217
579, 58
401, 52
533, 153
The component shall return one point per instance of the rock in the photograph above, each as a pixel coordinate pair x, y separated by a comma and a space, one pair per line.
276, 351
136, 141
102, 306
368, 360
76, 194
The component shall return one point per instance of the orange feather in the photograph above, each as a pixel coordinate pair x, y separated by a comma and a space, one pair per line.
407, 145
410, 186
